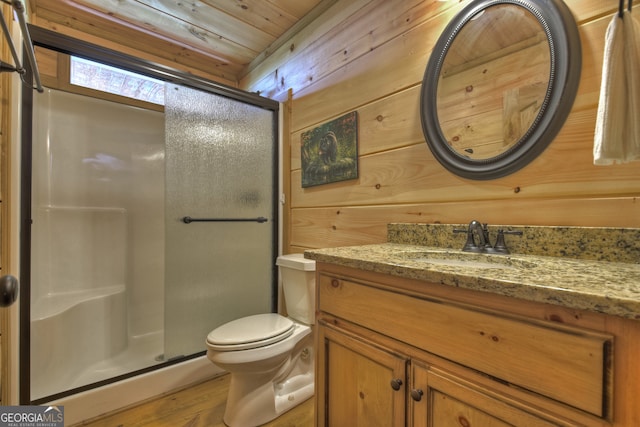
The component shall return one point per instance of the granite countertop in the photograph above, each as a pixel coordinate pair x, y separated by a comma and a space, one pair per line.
599, 285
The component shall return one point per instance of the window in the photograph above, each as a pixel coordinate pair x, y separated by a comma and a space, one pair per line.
94, 75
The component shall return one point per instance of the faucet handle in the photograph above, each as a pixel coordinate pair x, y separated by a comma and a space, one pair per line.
470, 244
501, 246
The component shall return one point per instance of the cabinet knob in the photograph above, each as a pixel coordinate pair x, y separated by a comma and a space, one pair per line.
416, 394
396, 383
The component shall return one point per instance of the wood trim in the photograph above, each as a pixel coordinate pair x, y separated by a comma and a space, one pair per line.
286, 176
5, 94
6, 199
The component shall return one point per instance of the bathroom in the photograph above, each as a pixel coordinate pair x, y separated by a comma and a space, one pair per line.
370, 57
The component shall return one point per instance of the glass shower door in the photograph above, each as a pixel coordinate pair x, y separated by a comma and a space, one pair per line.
96, 241
220, 172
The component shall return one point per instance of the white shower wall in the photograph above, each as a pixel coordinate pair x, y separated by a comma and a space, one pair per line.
98, 221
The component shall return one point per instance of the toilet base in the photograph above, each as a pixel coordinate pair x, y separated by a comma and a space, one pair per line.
251, 408
266, 382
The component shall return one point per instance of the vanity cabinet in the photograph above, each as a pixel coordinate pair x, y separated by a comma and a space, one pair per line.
394, 351
365, 386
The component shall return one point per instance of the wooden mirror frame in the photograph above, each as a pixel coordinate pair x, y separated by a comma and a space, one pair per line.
566, 61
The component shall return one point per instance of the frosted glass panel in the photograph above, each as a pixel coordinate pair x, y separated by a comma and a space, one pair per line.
219, 164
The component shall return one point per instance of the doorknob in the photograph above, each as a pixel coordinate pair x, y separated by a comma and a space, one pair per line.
8, 290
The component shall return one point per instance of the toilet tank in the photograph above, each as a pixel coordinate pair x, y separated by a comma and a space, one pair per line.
299, 286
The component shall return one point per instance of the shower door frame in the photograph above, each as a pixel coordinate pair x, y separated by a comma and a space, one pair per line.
62, 43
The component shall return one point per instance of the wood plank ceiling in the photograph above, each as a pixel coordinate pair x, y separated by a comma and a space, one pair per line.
224, 38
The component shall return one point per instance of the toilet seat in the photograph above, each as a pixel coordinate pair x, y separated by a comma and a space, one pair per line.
250, 332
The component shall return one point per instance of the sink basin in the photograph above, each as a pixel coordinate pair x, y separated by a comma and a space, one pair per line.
463, 259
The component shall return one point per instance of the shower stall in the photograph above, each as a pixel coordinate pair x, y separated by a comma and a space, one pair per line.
147, 230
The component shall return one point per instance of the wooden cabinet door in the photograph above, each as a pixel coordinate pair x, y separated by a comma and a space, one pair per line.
364, 385
451, 401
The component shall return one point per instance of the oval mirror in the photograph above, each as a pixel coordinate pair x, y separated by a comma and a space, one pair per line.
499, 85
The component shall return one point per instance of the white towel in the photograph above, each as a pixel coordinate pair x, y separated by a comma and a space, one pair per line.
632, 74
609, 133
617, 131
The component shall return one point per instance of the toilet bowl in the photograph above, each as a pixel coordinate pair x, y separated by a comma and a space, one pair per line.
270, 358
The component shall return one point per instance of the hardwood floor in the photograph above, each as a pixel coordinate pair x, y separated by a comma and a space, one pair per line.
201, 405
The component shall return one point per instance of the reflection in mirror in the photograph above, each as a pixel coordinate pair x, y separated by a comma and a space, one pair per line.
499, 85
493, 81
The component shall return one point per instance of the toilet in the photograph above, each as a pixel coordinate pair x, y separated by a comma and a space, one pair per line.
269, 357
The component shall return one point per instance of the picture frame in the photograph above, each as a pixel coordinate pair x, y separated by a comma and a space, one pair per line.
329, 152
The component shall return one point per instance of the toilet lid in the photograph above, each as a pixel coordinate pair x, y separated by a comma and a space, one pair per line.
250, 332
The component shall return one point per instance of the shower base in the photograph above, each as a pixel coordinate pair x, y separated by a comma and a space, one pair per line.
140, 353
80, 338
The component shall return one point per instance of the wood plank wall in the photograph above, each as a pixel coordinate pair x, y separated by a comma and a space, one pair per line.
370, 57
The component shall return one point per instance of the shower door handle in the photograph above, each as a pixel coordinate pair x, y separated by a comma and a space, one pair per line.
189, 220
8, 290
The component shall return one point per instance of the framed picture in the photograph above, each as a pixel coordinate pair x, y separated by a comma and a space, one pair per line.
329, 152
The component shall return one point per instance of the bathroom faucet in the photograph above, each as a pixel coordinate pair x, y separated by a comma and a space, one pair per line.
480, 230
476, 228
